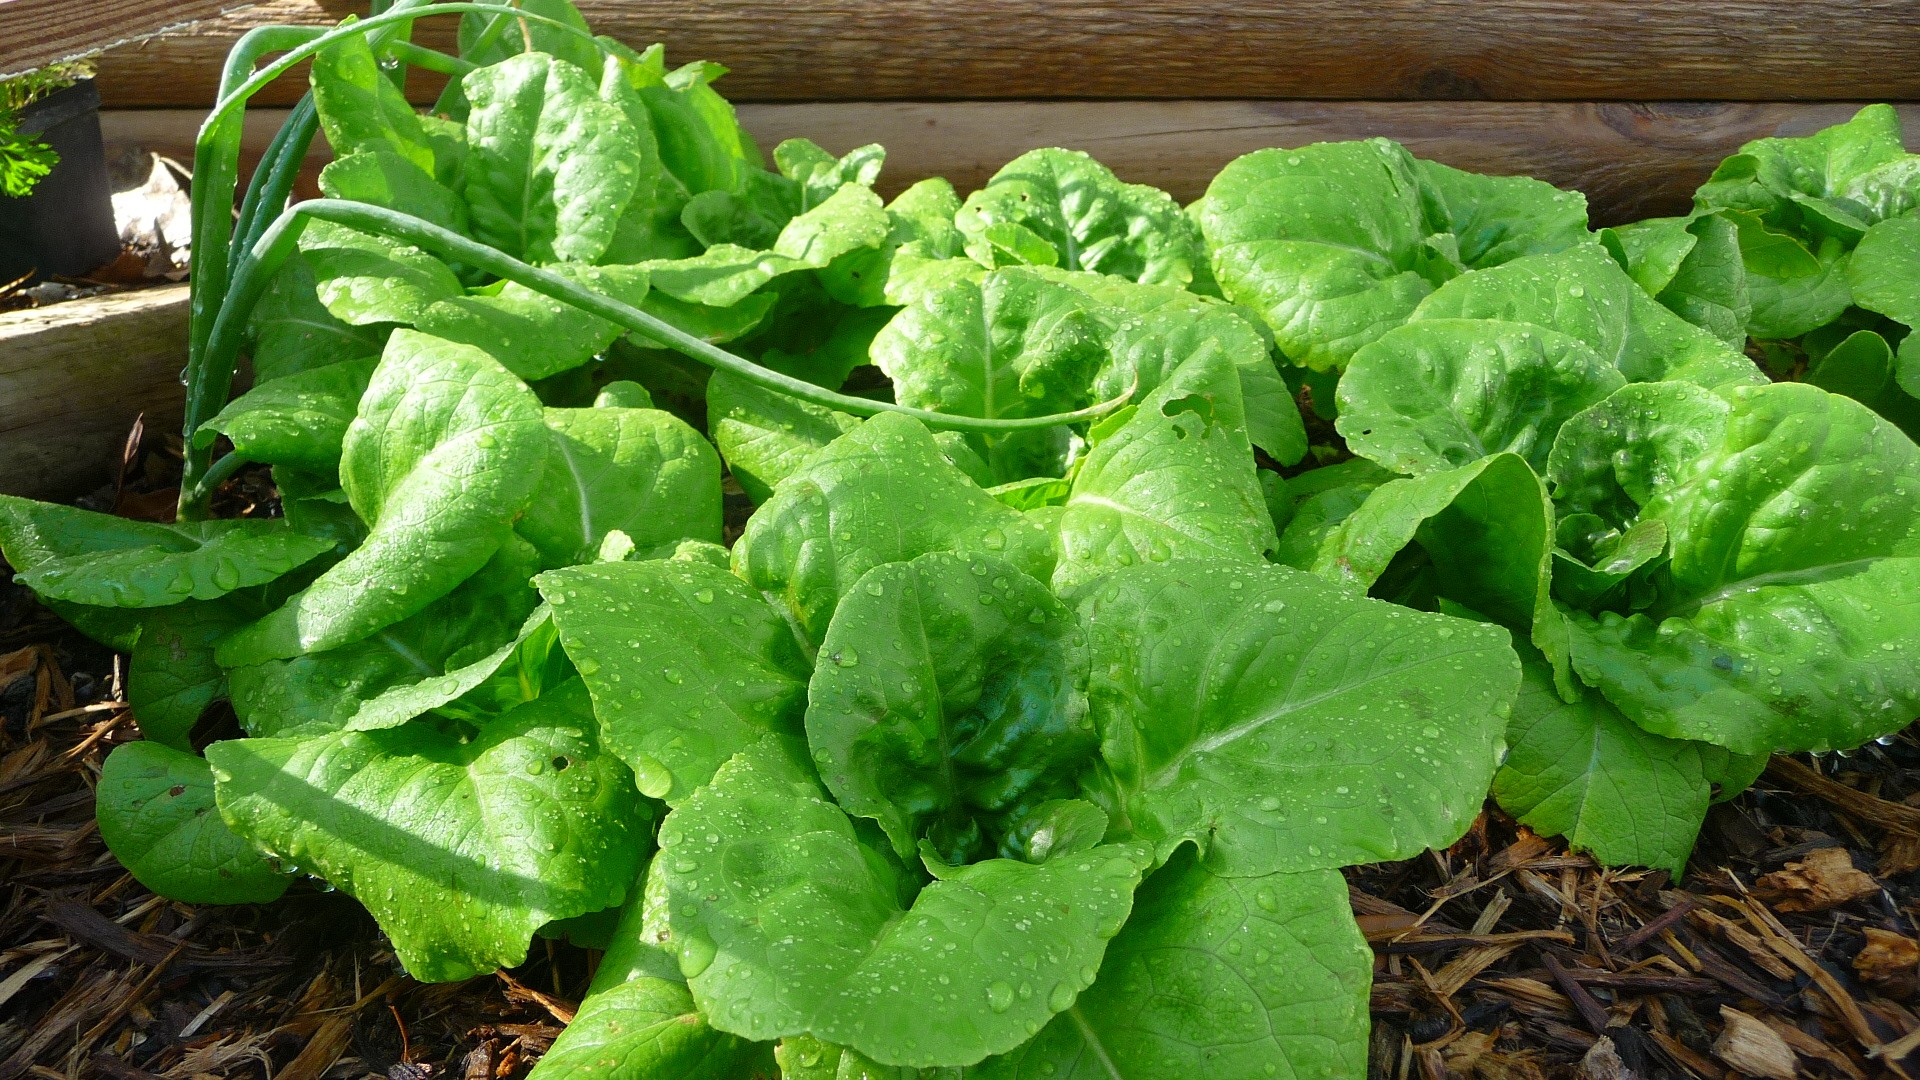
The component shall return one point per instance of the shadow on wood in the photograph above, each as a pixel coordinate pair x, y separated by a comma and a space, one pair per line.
74, 375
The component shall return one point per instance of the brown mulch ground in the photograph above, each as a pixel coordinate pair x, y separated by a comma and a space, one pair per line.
1788, 950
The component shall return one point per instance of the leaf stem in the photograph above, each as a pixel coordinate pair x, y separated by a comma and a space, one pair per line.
279, 240
218, 473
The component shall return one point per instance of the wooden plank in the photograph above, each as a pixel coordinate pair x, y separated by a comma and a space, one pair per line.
1633, 161
35, 33
1511, 50
74, 376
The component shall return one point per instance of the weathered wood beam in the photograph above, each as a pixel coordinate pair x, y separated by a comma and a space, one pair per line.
1509, 50
1632, 160
74, 376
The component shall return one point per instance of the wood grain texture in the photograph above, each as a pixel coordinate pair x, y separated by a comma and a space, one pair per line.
74, 376
35, 33
1505, 50
1633, 161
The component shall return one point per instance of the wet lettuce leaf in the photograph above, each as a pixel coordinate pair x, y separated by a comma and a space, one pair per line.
1782, 625
998, 947
462, 849
448, 447
156, 811
1283, 722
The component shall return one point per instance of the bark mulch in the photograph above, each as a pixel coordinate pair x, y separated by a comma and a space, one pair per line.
1789, 949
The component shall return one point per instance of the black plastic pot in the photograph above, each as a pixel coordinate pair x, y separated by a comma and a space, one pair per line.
66, 226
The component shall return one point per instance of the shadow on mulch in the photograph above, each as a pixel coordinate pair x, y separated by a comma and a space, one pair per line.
1788, 950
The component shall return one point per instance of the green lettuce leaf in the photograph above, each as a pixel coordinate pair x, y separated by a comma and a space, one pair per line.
1807, 184
881, 493
364, 279
1864, 367
1486, 530
1230, 978
316, 693
292, 331
398, 182
1174, 480
362, 110
461, 849
77, 556
700, 139
530, 36
954, 696
399, 704
921, 216
1782, 624
547, 159
818, 174
1796, 286
1010, 345
687, 665
299, 419
1582, 292
156, 812
171, 673
764, 435
638, 1021
787, 924
1441, 393
1153, 329
726, 273
533, 335
1336, 243
1325, 242
641, 471
1693, 266
1709, 288
1285, 723
1088, 217
1310, 506
1594, 558
1585, 772
447, 448
1496, 219
1884, 272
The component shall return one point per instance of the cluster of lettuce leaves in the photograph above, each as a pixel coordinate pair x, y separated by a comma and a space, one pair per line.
1028, 754
1558, 432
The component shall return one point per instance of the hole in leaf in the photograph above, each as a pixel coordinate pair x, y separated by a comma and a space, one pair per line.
1198, 404
560, 763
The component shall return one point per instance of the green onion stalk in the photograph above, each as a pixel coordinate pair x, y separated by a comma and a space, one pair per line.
267, 230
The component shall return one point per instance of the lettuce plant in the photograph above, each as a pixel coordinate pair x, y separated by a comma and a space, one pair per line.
1545, 446
1027, 724
1808, 246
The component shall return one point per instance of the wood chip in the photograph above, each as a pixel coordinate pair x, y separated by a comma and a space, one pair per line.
1752, 1047
1602, 1062
1889, 962
1807, 1046
1825, 878
1869, 808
